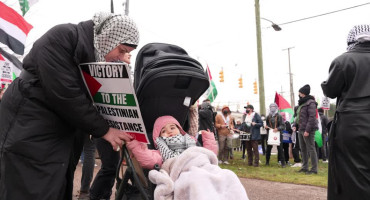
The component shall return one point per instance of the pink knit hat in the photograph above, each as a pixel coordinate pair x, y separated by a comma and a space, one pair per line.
163, 121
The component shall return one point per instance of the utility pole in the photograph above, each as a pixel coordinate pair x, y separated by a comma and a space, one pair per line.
111, 6
292, 99
126, 5
260, 61
282, 91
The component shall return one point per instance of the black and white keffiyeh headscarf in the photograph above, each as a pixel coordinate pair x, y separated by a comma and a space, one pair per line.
110, 30
274, 108
170, 147
358, 34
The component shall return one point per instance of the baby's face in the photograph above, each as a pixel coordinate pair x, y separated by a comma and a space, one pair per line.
170, 130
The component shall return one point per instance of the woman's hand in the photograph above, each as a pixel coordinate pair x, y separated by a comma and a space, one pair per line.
117, 138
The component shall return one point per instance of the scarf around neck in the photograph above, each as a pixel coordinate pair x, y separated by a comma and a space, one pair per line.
303, 100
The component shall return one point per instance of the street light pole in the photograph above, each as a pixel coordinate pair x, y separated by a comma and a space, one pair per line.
260, 61
292, 100
274, 26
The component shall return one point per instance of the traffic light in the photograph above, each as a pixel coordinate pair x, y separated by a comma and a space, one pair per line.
222, 75
255, 89
240, 82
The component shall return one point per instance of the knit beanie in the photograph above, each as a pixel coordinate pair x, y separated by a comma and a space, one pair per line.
305, 89
160, 122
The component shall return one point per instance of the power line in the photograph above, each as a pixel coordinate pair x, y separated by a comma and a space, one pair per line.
325, 14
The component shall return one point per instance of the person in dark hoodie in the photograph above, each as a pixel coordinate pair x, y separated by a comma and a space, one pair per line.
307, 125
206, 116
324, 134
48, 107
349, 135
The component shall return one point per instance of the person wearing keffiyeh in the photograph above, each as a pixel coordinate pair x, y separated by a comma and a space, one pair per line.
274, 123
115, 36
47, 111
349, 138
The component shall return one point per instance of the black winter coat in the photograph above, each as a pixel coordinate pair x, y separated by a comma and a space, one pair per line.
254, 130
275, 121
41, 113
206, 119
349, 138
324, 123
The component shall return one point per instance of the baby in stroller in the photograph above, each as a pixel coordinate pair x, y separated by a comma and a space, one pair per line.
187, 171
170, 140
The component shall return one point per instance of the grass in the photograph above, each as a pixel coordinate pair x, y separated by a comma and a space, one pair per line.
274, 172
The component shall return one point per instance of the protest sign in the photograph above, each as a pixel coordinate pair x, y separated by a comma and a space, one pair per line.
325, 104
10, 68
114, 97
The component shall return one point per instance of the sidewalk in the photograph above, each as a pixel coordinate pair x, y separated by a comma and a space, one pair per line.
267, 190
256, 189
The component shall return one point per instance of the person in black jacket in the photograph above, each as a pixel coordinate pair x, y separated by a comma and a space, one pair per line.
307, 125
349, 138
47, 108
295, 140
274, 123
324, 134
252, 124
206, 116
287, 132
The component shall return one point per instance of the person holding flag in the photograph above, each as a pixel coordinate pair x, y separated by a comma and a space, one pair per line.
47, 110
307, 123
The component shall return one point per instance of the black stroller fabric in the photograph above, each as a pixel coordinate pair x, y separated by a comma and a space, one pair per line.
167, 82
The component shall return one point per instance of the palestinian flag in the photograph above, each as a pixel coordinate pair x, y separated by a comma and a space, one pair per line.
13, 29
26, 4
284, 106
318, 136
211, 93
10, 68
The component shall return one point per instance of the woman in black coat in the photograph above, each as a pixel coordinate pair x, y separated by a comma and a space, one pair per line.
349, 137
47, 107
275, 123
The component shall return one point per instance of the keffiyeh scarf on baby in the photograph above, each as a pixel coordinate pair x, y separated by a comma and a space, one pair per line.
170, 147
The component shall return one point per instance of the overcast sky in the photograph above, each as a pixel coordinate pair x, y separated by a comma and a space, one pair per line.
223, 34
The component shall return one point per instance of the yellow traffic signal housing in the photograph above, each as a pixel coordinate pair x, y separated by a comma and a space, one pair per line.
240, 82
222, 75
255, 89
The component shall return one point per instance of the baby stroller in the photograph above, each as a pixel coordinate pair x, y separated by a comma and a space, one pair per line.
167, 82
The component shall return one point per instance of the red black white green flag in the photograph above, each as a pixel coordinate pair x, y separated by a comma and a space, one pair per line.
284, 106
211, 93
13, 29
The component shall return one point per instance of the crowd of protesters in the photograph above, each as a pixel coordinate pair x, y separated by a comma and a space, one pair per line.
46, 118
